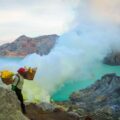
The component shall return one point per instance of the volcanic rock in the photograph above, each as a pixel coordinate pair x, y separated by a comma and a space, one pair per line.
24, 45
112, 58
101, 100
9, 106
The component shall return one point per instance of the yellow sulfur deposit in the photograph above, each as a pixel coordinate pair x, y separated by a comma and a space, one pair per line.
30, 73
6, 74
30, 70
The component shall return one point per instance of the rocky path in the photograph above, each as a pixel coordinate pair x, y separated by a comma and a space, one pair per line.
34, 112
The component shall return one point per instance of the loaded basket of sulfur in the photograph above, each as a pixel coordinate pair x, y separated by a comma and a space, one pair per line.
30, 74
6, 77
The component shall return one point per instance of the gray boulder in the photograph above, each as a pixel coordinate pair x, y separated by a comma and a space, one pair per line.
9, 106
47, 106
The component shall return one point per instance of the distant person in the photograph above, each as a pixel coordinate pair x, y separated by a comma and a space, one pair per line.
18, 85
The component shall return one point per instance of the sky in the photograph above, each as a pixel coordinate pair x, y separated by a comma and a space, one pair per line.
35, 17
41, 17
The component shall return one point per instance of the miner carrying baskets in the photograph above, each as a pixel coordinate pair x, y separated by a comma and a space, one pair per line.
17, 81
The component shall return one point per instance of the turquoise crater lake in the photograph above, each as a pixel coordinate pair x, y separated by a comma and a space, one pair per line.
63, 91
70, 86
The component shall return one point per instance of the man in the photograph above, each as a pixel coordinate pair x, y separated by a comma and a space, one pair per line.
18, 85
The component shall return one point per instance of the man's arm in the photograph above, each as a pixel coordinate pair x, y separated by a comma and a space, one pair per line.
16, 80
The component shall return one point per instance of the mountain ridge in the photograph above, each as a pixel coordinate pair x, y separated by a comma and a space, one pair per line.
25, 45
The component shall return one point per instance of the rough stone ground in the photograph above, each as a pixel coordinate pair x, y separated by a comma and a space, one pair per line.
36, 113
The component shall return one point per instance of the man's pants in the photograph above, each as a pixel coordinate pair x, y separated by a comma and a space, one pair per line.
20, 97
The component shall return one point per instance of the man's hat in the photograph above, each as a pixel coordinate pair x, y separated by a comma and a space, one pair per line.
21, 70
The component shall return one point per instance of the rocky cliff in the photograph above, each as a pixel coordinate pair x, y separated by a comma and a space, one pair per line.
10, 109
9, 106
24, 45
101, 100
112, 58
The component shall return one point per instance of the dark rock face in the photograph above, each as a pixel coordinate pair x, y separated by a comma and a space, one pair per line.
112, 59
24, 45
9, 106
102, 99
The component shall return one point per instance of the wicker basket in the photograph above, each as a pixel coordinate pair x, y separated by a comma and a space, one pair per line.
30, 75
7, 81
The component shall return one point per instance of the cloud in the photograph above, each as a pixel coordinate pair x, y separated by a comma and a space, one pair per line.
35, 17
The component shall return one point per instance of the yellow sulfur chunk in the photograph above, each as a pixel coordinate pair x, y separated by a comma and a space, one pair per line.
6, 74
30, 70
